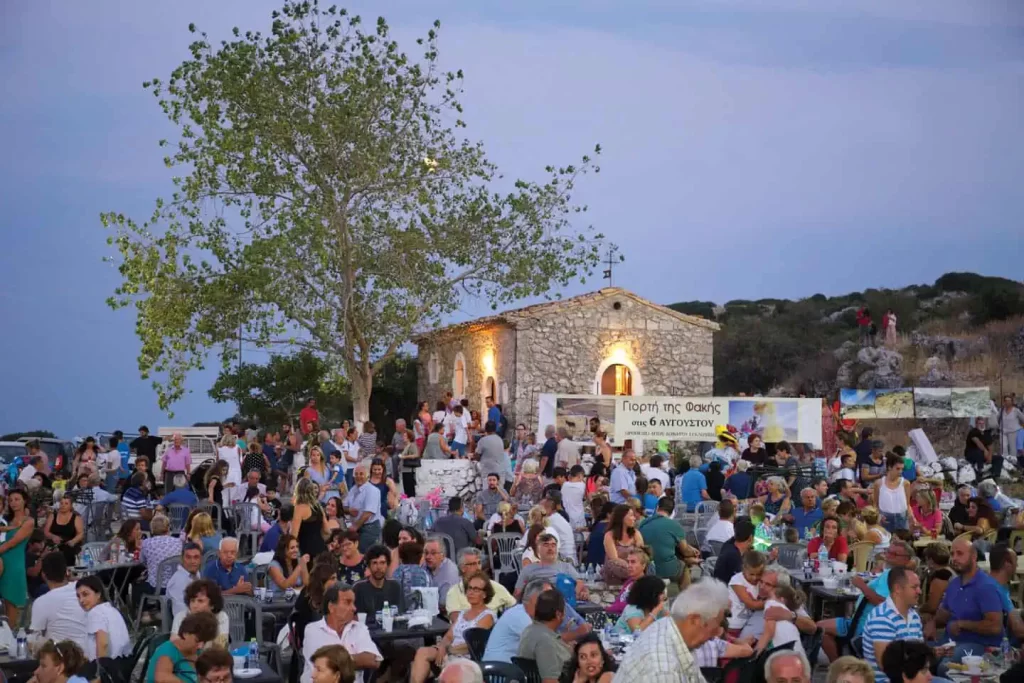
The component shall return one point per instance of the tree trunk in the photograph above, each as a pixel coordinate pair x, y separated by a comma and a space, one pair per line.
361, 390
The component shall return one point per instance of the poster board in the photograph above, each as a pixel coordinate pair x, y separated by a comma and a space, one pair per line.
922, 403
577, 413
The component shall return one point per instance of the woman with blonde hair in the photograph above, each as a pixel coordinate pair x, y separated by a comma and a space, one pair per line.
509, 523
926, 514
200, 530
309, 521
318, 471
850, 670
874, 532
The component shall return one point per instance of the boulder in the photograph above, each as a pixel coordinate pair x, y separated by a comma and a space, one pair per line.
936, 373
884, 368
847, 351
966, 475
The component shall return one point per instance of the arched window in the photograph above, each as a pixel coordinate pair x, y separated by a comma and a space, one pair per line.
459, 377
433, 368
617, 380
490, 391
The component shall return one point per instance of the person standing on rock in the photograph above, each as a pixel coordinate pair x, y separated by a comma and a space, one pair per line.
889, 329
1011, 421
864, 325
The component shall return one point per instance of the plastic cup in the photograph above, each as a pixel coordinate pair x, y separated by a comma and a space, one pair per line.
362, 617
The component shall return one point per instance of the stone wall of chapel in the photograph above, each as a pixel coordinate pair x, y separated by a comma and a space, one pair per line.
479, 348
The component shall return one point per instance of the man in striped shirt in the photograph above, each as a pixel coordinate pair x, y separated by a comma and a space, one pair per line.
894, 619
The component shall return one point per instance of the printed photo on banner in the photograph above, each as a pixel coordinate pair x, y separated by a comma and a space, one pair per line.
773, 421
971, 402
857, 404
933, 402
894, 403
583, 416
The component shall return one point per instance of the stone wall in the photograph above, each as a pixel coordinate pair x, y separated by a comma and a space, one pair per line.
562, 352
488, 352
455, 477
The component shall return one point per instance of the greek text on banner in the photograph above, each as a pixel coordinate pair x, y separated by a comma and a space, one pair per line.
694, 418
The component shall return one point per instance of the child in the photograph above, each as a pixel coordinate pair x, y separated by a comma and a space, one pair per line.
743, 592
648, 500
337, 475
558, 478
778, 633
573, 492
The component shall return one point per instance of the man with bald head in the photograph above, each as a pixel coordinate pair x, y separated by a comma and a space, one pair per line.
787, 666
972, 609
177, 459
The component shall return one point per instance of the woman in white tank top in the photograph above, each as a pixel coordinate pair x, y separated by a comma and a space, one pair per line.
892, 494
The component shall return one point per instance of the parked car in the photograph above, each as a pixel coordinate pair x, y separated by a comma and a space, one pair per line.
61, 452
9, 450
201, 442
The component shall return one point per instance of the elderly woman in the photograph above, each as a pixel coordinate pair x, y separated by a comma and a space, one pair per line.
204, 595
60, 663
636, 565
155, 549
777, 501
528, 487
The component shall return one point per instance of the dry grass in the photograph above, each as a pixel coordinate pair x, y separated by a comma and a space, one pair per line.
956, 328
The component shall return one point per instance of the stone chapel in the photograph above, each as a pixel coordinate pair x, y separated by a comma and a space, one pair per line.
608, 342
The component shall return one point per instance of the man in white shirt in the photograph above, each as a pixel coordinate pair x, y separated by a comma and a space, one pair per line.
456, 426
186, 573
654, 471
350, 456
57, 615
722, 529
28, 473
567, 454
559, 523
340, 627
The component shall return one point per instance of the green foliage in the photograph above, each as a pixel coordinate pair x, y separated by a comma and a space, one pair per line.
996, 302
972, 283
41, 433
705, 309
326, 200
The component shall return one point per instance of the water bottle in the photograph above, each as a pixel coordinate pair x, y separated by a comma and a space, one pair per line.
1006, 652
22, 644
807, 568
253, 660
87, 557
822, 557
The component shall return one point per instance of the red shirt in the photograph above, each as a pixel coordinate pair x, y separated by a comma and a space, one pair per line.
307, 415
839, 546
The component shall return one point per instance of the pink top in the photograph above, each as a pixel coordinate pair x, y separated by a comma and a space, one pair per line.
929, 522
177, 459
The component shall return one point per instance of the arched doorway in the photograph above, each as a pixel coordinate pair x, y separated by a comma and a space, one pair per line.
617, 380
490, 390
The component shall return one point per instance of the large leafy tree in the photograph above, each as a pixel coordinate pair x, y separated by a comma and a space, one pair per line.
327, 200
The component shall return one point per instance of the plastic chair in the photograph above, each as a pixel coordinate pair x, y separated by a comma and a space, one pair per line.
812, 644
243, 611
178, 514
502, 555
529, 669
100, 550
449, 543
502, 672
964, 536
716, 547
791, 555
862, 552
476, 639
99, 518
164, 571
213, 510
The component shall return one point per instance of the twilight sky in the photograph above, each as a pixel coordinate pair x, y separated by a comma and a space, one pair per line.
753, 148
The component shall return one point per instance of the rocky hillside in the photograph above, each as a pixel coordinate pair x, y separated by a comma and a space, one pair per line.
965, 329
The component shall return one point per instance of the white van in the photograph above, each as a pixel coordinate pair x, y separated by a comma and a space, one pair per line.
201, 441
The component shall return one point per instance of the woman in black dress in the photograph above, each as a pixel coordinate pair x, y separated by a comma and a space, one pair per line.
65, 530
309, 523
214, 486
255, 460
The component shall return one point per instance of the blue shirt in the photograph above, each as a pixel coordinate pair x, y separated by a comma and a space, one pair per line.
693, 482
910, 474
885, 625
622, 478
503, 643
994, 504
879, 584
1004, 595
365, 498
548, 451
494, 415
802, 520
225, 579
650, 502
179, 496
270, 538
971, 601
738, 484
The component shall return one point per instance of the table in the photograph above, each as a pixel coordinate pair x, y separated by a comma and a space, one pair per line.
585, 607
17, 669
430, 633
267, 675
926, 541
279, 606
828, 595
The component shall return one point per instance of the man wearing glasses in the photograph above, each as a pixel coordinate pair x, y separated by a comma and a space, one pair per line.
548, 567
899, 554
469, 564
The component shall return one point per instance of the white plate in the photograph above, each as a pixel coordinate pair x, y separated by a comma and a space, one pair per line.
247, 673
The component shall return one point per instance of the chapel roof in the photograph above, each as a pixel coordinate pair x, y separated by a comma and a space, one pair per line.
517, 315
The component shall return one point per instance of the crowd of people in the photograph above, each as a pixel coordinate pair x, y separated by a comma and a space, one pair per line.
323, 505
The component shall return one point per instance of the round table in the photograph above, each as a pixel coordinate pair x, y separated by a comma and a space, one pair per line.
267, 675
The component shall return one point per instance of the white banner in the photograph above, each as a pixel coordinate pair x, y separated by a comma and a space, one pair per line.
695, 418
